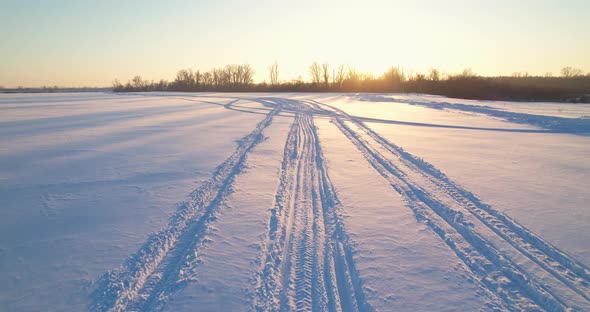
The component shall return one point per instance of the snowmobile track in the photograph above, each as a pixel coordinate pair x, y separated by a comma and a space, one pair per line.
306, 262
306, 257
149, 276
401, 168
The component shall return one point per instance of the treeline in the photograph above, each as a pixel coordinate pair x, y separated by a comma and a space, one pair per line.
228, 78
572, 85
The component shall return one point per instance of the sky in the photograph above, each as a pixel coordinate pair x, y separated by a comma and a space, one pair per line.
91, 43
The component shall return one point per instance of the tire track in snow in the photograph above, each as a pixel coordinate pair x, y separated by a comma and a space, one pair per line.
498, 274
566, 269
306, 261
414, 176
158, 268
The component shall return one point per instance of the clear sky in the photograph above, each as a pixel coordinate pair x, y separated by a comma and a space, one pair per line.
90, 43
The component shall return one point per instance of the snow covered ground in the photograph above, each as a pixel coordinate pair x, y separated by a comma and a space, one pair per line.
571, 110
292, 201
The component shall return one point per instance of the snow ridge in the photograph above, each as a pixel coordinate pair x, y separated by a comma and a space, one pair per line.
553, 123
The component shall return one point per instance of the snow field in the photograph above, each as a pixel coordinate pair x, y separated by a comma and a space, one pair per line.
296, 202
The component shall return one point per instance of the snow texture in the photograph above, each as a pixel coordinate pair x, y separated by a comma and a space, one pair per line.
296, 202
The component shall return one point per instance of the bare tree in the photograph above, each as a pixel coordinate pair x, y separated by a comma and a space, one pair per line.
394, 77
433, 74
235, 76
326, 74
207, 79
353, 74
139, 83
420, 77
352, 80
569, 72
247, 75
274, 73
184, 80
338, 76
316, 73
219, 77
162, 85
231, 76
198, 78
117, 85
467, 73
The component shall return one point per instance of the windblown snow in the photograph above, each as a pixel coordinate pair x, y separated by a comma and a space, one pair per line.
292, 202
